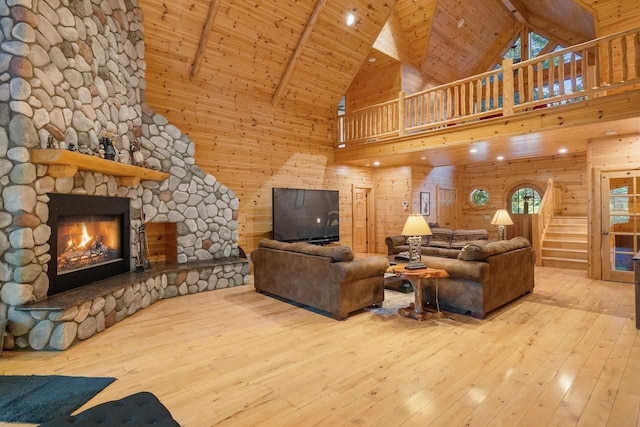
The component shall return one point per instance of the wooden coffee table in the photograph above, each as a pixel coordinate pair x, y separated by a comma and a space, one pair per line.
416, 310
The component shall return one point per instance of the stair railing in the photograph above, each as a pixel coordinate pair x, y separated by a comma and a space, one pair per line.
549, 206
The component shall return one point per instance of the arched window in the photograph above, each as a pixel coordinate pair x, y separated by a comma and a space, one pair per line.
525, 199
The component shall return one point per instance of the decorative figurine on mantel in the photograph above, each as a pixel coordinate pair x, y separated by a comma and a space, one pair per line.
108, 149
52, 143
136, 155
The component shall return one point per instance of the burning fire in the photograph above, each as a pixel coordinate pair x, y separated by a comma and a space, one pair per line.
83, 243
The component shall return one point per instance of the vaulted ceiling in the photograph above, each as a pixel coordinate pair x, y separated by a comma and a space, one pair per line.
250, 44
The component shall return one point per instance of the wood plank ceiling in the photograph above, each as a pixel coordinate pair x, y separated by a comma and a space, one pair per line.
251, 42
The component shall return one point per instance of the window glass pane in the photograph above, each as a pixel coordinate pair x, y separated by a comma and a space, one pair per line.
479, 197
622, 243
536, 44
526, 200
621, 224
515, 51
618, 205
622, 262
621, 186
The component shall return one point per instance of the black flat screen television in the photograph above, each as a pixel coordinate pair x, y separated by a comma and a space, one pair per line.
305, 215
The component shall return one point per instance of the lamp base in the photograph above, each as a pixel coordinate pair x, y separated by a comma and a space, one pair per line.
415, 265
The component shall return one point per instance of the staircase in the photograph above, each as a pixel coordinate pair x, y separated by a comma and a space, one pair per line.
564, 243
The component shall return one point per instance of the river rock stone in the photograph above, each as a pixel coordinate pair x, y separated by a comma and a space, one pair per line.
40, 334
22, 238
16, 293
87, 328
63, 335
20, 322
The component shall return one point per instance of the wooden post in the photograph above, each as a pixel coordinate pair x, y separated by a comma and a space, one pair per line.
508, 88
401, 118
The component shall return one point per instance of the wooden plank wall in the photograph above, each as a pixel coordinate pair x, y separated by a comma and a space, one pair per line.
427, 179
162, 238
501, 177
373, 86
393, 186
413, 80
606, 154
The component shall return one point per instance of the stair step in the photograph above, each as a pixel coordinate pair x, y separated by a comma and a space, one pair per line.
579, 254
569, 220
575, 264
569, 237
564, 244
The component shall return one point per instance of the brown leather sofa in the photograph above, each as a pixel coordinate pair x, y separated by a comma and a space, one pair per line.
484, 277
443, 242
326, 278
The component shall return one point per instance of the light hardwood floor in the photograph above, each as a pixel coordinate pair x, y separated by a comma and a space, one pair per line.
568, 354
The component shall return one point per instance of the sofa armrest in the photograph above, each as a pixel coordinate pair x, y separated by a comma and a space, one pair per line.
393, 241
359, 269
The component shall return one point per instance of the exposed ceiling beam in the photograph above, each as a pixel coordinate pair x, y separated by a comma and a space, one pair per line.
543, 26
503, 43
204, 38
306, 33
423, 55
517, 9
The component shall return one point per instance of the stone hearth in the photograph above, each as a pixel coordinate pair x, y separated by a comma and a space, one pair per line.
74, 70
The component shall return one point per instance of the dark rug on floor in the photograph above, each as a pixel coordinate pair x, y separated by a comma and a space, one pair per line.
37, 399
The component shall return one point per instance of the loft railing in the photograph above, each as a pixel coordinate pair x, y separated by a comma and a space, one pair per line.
587, 70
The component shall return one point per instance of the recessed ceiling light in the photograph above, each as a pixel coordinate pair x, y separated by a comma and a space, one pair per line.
610, 132
460, 22
351, 19
342, 145
563, 151
376, 163
372, 59
473, 150
423, 158
500, 158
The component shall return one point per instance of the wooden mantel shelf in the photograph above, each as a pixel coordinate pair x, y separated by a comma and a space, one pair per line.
65, 163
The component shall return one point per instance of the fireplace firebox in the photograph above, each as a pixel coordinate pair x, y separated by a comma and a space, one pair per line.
90, 240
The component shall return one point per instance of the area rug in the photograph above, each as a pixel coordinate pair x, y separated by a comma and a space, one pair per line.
37, 399
392, 302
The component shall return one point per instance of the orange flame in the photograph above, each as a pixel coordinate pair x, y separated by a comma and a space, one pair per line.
85, 237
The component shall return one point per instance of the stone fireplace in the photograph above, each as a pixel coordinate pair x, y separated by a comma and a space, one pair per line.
89, 240
73, 70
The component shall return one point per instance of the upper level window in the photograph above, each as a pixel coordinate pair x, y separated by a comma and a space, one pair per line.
515, 51
536, 44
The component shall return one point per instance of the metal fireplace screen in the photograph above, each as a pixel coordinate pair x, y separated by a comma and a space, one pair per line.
90, 240
87, 241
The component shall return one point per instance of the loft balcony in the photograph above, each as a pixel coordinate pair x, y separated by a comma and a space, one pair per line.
593, 83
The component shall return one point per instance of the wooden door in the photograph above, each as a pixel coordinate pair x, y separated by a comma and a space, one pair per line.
446, 207
523, 202
620, 226
362, 220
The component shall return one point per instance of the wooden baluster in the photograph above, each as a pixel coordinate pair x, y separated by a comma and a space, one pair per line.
479, 95
441, 106
471, 95
456, 102
574, 73
401, 114
552, 78
508, 87
530, 83
561, 74
448, 103
636, 56
625, 59
487, 94
522, 93
463, 100
540, 71
597, 82
496, 88
610, 62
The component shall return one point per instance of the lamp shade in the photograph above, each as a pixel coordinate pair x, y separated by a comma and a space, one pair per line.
501, 217
416, 226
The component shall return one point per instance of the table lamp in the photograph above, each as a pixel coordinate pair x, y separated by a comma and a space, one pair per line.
414, 229
501, 218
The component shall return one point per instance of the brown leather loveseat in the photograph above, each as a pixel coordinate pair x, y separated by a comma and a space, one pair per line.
484, 276
326, 278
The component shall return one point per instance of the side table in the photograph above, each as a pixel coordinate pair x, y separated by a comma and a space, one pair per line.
416, 310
